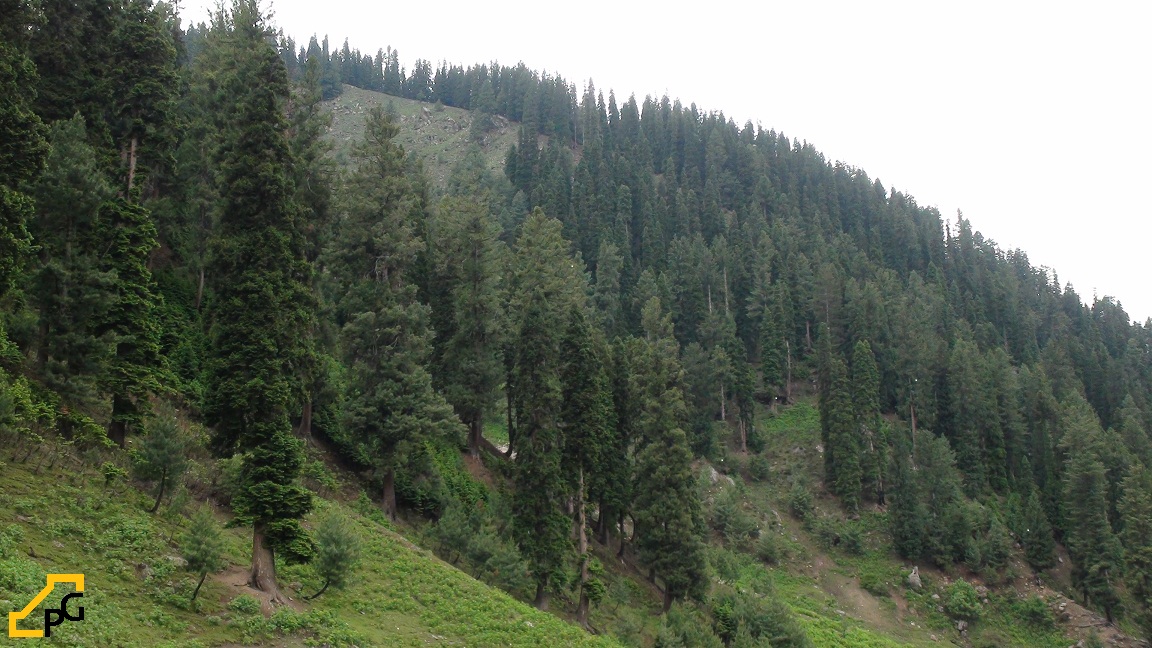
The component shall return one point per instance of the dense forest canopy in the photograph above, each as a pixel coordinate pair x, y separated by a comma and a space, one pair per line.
641, 284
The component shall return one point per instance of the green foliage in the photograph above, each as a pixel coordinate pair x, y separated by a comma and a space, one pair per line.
1035, 611
337, 551
962, 602
203, 547
1136, 508
759, 468
800, 500
161, 455
244, 605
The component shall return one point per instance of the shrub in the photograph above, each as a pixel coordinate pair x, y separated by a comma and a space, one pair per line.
245, 605
771, 549
1035, 612
800, 501
962, 602
758, 468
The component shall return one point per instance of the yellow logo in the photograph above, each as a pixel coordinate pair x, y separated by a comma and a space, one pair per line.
52, 616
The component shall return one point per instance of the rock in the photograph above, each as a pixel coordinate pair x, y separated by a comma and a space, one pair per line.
914, 579
57, 544
713, 475
935, 597
985, 601
177, 560
961, 625
932, 637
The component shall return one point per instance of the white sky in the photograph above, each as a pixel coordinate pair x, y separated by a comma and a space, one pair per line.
1033, 118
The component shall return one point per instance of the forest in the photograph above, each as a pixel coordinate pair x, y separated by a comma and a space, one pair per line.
640, 290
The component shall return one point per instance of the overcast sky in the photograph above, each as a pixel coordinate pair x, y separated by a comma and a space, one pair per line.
1034, 119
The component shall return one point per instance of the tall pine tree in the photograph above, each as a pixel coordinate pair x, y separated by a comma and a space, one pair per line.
260, 300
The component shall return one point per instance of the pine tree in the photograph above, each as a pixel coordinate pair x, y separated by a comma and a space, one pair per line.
134, 370
70, 291
22, 144
1036, 533
667, 510
540, 526
337, 552
203, 547
907, 512
866, 406
260, 301
390, 407
468, 256
587, 422
1093, 547
161, 455
1136, 509
843, 437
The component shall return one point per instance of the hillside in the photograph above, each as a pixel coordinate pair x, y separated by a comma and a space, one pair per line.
437, 135
64, 518
673, 381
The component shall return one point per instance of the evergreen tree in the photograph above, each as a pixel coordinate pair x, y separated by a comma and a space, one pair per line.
539, 524
390, 407
337, 551
203, 547
586, 421
22, 144
468, 255
669, 520
133, 372
1036, 533
259, 310
1093, 547
843, 438
866, 403
1136, 509
907, 512
162, 455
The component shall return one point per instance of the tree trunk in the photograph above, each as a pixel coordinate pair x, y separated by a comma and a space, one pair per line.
322, 590
197, 590
159, 495
582, 549
623, 537
117, 430
788, 373
390, 493
305, 429
743, 437
541, 600
511, 430
131, 164
200, 289
667, 600
723, 403
475, 433
263, 574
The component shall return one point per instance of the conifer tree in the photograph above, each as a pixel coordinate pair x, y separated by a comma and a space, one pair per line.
587, 421
134, 369
391, 406
162, 455
203, 547
1095, 552
468, 255
1136, 509
669, 520
1036, 533
843, 437
866, 406
22, 144
258, 314
540, 526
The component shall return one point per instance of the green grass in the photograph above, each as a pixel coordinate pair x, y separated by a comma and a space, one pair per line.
135, 594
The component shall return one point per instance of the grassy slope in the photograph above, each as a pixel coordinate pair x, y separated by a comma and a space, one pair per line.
438, 136
66, 520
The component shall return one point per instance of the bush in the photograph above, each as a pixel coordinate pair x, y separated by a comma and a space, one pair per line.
1035, 612
245, 605
337, 551
852, 539
800, 501
758, 468
962, 602
771, 549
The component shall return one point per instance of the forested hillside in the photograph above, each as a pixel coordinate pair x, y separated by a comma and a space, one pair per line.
640, 292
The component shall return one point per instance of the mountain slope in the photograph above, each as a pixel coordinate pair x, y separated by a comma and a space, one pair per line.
65, 519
